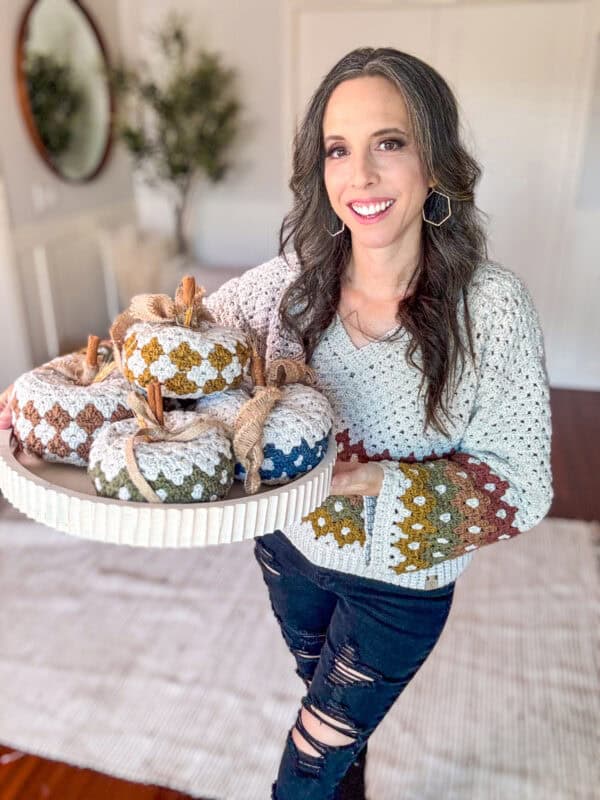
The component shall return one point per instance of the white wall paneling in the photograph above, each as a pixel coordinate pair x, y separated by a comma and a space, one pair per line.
523, 75
67, 294
16, 356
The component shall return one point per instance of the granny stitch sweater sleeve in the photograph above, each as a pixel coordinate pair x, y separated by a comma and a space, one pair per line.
498, 481
250, 303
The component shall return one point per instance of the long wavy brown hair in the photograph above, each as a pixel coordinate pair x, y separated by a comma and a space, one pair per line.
450, 253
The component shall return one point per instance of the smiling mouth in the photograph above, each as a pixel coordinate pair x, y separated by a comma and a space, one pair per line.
371, 212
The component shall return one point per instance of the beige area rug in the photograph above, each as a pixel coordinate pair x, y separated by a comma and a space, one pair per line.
168, 667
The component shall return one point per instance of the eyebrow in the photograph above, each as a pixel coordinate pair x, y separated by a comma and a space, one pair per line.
382, 132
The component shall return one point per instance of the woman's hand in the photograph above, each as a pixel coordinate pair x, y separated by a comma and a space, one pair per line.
352, 477
5, 410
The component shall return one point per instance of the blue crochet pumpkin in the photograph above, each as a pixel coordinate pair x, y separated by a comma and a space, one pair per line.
295, 434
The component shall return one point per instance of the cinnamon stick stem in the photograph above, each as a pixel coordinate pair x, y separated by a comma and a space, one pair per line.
91, 354
155, 401
150, 396
280, 376
188, 285
257, 368
160, 415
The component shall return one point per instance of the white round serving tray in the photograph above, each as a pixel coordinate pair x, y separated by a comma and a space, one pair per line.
63, 497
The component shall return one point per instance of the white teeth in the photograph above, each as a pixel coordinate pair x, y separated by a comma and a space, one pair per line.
373, 208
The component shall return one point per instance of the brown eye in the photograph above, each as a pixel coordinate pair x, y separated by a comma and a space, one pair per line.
389, 145
336, 152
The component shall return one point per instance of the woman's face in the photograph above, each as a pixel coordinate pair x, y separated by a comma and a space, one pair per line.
373, 174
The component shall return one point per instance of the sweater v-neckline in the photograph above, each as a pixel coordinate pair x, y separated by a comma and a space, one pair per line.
356, 348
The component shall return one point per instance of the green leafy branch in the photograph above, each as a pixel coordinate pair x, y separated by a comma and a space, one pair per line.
54, 99
182, 126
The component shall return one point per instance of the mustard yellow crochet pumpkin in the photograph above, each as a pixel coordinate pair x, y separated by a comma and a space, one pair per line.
177, 343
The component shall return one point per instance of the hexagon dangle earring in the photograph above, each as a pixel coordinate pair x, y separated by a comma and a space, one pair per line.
447, 215
337, 233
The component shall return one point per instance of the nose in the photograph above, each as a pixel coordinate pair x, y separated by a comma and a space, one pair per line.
363, 170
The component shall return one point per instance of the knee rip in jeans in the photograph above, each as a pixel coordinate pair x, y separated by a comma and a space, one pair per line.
316, 732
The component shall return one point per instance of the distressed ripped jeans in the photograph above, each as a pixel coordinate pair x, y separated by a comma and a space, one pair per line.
357, 643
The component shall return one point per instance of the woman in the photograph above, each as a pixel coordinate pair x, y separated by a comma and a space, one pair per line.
433, 360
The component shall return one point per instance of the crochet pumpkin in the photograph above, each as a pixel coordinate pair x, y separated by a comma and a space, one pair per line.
59, 409
162, 457
281, 429
177, 343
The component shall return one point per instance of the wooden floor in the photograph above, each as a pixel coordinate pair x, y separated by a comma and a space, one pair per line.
576, 454
576, 467
24, 777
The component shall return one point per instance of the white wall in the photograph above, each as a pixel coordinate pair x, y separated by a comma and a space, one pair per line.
235, 222
40, 207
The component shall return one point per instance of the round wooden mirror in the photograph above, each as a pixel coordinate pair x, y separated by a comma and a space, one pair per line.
63, 88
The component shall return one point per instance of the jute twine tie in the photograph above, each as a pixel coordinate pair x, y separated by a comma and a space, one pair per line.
251, 419
105, 371
152, 431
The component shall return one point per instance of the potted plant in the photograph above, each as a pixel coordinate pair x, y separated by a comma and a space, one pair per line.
178, 125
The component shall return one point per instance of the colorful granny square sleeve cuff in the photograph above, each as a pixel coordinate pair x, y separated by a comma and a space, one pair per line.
432, 511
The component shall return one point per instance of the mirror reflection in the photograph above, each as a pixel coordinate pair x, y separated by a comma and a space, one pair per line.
64, 91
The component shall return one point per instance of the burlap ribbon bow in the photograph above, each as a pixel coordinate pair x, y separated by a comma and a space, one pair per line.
80, 368
251, 419
75, 368
152, 431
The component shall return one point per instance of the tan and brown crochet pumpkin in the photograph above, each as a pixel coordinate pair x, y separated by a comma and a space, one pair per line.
58, 409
